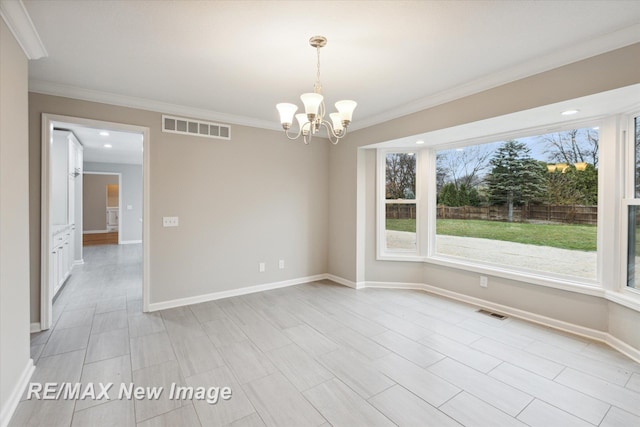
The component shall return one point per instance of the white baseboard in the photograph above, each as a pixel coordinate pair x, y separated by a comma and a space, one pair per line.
94, 231
12, 402
130, 242
78, 262
233, 293
594, 334
345, 282
35, 327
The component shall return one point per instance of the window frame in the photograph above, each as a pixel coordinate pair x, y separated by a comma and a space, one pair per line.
426, 219
628, 199
384, 253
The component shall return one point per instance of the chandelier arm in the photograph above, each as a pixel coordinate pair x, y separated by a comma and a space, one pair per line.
333, 137
292, 137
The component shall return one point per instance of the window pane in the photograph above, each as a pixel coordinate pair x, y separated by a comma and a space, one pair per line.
400, 226
633, 250
400, 176
529, 203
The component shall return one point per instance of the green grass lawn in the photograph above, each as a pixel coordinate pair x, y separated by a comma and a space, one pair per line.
564, 236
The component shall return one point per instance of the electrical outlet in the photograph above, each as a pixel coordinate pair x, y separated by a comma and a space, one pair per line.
484, 282
262, 267
170, 221
281, 264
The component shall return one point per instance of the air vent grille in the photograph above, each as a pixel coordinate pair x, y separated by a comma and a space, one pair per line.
193, 127
492, 314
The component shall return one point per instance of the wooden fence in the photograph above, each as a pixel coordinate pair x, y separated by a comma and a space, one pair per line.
550, 213
401, 211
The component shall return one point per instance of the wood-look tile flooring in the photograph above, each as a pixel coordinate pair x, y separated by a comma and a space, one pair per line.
318, 354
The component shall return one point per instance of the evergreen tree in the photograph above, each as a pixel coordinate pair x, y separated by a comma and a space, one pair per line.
515, 178
448, 195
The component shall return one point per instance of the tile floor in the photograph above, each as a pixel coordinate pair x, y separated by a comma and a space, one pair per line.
317, 354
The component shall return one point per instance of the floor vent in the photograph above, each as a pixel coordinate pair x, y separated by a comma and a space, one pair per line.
492, 314
193, 127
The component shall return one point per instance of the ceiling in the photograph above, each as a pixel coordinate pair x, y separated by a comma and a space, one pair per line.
232, 61
106, 145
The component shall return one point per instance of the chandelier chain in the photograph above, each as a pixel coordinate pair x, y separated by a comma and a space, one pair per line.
318, 85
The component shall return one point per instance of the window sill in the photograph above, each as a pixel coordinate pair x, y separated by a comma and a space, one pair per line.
625, 297
409, 257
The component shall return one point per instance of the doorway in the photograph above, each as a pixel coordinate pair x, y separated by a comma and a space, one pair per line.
77, 130
101, 208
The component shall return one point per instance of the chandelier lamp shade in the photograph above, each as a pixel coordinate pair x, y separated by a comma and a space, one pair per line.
313, 119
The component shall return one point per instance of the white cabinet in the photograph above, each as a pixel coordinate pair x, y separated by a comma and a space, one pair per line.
66, 200
61, 261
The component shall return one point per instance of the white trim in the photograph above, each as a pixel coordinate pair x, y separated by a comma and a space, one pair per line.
381, 204
624, 348
130, 242
233, 292
345, 282
35, 327
625, 298
95, 231
14, 398
57, 89
19, 22
561, 325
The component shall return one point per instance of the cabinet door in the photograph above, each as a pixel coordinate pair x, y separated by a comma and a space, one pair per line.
68, 260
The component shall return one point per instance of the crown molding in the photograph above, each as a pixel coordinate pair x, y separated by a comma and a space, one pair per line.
574, 53
19, 22
67, 91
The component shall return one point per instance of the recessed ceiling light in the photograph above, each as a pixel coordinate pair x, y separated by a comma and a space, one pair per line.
420, 142
104, 133
570, 112
596, 128
108, 145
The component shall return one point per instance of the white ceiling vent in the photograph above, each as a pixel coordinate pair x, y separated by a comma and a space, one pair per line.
195, 127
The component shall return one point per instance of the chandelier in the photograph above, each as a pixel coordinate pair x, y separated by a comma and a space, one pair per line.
313, 118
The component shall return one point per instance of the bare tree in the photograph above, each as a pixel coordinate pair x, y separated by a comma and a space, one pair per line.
572, 146
464, 166
400, 176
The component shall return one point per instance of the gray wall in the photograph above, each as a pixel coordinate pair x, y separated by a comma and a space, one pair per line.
94, 200
130, 195
256, 198
14, 214
350, 166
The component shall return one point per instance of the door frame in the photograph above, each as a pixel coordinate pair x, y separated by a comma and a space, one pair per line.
46, 299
